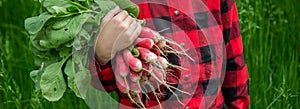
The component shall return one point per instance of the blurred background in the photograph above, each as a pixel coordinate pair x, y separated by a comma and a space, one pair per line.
271, 39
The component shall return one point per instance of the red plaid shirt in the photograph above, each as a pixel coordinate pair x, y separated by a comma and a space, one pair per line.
210, 30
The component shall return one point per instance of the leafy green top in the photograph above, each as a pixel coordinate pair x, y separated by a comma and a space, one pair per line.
61, 37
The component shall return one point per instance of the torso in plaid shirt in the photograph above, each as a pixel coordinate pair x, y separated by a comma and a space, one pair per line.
209, 29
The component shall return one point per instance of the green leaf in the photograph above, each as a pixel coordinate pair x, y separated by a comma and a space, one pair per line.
83, 80
129, 6
35, 24
123, 4
99, 17
82, 74
81, 40
69, 43
45, 57
34, 75
105, 5
55, 38
60, 23
69, 71
64, 51
57, 6
34, 39
52, 82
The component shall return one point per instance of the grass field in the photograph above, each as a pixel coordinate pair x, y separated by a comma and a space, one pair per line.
271, 39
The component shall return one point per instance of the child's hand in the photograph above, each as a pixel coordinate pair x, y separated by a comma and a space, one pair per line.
118, 30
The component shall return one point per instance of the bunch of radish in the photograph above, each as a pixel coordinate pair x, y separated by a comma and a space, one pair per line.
145, 64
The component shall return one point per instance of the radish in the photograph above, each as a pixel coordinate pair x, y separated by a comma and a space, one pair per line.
144, 42
154, 82
149, 67
134, 63
147, 55
122, 69
162, 44
155, 51
161, 41
163, 61
149, 33
134, 76
121, 84
158, 76
121, 72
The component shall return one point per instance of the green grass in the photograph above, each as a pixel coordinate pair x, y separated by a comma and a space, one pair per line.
271, 40
270, 35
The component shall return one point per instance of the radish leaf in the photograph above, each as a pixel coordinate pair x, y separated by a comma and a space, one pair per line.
52, 82
58, 6
83, 80
61, 23
55, 38
69, 71
35, 24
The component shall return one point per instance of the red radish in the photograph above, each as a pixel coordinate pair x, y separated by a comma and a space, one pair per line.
145, 73
154, 82
135, 87
149, 67
148, 33
134, 76
163, 61
122, 69
147, 55
155, 51
156, 37
121, 84
144, 42
162, 44
134, 63
158, 74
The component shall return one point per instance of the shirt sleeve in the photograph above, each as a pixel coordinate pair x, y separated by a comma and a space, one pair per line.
235, 87
102, 75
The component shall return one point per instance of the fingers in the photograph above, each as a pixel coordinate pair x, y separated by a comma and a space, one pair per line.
137, 31
127, 22
119, 18
111, 14
133, 30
